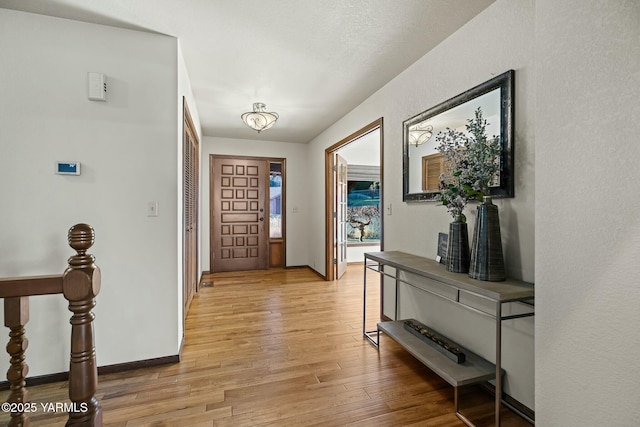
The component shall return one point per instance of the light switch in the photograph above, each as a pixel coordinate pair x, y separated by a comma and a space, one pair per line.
389, 209
152, 208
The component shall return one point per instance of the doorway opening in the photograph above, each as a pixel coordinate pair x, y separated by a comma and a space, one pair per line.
337, 214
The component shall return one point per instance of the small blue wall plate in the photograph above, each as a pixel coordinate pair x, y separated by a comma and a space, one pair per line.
68, 168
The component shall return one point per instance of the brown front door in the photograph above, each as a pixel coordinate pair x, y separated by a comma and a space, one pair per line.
240, 214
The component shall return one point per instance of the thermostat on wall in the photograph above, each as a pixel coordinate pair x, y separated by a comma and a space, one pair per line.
68, 168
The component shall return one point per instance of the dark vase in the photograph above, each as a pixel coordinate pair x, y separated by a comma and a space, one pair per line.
487, 261
458, 247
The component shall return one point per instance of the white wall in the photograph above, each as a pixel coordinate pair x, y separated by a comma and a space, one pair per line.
499, 39
297, 191
587, 203
127, 147
364, 150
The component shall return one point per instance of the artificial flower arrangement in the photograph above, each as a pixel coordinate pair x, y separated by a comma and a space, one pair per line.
471, 161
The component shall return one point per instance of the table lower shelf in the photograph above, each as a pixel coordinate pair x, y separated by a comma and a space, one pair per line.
473, 370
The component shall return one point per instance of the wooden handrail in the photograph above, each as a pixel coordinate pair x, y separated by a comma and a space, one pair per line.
30, 286
80, 284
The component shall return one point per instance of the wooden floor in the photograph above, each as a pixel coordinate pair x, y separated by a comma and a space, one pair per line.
277, 348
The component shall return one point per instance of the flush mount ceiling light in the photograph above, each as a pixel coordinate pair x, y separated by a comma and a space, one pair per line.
420, 133
259, 119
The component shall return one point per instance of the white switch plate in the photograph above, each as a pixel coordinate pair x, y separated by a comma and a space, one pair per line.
152, 208
389, 209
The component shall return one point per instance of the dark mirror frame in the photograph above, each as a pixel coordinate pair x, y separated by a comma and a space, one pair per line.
506, 83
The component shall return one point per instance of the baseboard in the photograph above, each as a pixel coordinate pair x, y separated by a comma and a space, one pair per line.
102, 370
202, 282
516, 406
147, 363
181, 347
323, 277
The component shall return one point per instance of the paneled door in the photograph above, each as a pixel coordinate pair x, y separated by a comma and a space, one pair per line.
240, 214
341, 216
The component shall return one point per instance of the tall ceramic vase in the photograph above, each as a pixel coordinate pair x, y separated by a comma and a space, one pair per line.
458, 247
487, 261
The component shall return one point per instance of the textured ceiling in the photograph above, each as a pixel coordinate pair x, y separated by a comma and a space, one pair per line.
311, 61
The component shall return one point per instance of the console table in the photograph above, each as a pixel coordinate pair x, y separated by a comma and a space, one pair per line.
474, 369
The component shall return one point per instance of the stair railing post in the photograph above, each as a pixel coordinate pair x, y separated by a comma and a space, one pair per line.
80, 285
16, 316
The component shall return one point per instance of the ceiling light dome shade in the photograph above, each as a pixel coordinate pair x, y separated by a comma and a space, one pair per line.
259, 119
420, 133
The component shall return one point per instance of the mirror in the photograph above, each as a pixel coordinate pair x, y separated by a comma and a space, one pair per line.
423, 164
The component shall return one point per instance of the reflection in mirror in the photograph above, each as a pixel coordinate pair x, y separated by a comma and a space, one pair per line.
423, 165
420, 133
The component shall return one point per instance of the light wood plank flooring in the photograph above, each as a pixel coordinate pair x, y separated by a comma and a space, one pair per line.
277, 348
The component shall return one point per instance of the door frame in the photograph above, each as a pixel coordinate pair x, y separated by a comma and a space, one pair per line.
188, 126
282, 241
330, 268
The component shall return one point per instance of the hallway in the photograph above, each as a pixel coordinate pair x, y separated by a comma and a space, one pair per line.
273, 348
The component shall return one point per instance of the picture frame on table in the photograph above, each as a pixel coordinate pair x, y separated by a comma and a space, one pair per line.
443, 242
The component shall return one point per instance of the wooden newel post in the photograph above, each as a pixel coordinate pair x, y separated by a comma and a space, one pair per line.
16, 315
80, 285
